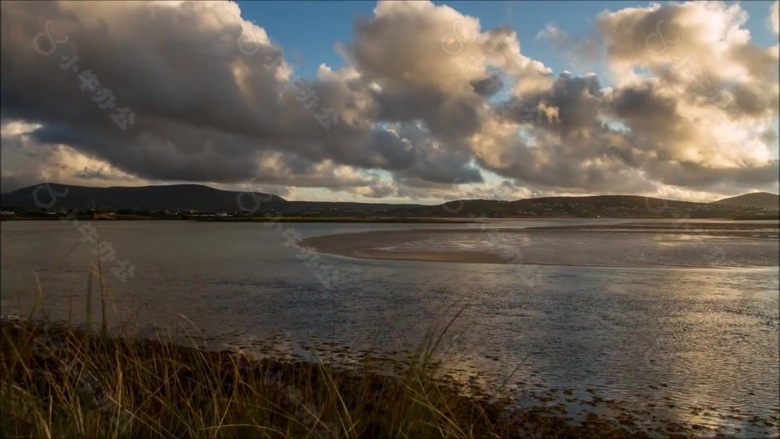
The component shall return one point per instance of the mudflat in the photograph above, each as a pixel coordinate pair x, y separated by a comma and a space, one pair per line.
644, 245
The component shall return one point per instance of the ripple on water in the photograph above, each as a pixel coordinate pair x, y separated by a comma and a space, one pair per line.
706, 340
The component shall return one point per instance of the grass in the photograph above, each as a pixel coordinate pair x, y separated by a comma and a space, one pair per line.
57, 381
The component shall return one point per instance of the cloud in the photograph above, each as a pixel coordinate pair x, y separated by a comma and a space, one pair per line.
426, 97
774, 17
25, 161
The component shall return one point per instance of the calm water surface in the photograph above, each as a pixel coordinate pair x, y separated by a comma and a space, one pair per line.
689, 343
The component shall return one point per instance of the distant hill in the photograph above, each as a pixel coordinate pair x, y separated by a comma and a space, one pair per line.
204, 198
597, 205
758, 199
180, 196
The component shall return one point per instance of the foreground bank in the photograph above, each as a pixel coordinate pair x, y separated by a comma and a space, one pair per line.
56, 381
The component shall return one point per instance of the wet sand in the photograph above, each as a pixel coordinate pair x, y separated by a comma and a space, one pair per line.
678, 226
369, 245
627, 245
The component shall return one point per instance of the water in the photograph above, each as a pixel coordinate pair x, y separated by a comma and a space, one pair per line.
643, 324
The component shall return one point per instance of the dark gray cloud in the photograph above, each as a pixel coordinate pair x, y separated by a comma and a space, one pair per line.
215, 101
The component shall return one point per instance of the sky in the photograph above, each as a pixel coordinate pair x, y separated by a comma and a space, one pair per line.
393, 101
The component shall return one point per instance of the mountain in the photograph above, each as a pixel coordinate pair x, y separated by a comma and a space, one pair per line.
204, 198
757, 199
179, 196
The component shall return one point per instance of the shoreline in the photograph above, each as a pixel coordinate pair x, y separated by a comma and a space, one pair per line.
410, 220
